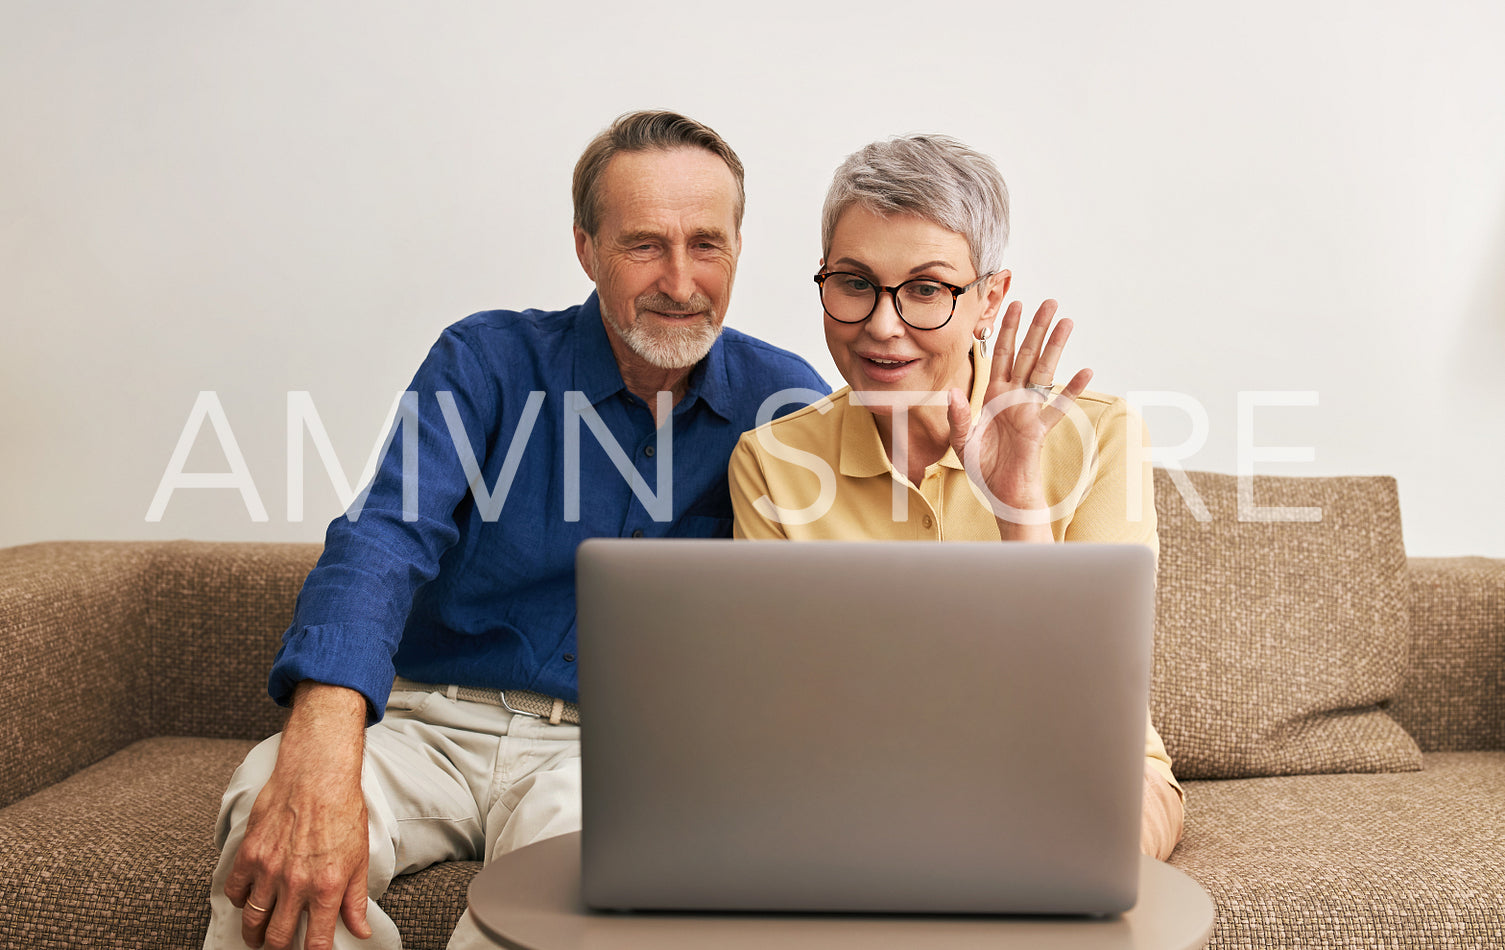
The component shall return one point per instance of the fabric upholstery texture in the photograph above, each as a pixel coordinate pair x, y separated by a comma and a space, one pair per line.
1410, 859
1454, 696
134, 640
72, 619
1277, 644
93, 860
227, 605
120, 855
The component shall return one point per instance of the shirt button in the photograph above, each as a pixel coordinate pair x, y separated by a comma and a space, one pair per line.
928, 522
648, 451
569, 658
637, 532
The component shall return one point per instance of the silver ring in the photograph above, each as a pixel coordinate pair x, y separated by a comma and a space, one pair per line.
1045, 391
256, 907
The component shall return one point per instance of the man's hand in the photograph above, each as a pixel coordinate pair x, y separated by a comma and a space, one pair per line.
1160, 819
305, 849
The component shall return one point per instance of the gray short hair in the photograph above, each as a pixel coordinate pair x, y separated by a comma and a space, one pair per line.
934, 177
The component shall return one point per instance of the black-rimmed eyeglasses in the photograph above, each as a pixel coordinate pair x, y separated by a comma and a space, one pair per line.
924, 302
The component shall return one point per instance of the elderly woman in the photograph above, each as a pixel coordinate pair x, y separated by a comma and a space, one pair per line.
911, 283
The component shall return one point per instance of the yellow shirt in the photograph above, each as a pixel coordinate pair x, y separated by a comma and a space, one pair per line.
821, 473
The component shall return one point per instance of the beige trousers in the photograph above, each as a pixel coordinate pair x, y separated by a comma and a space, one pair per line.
444, 779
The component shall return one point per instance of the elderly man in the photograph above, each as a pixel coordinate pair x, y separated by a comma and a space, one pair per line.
455, 576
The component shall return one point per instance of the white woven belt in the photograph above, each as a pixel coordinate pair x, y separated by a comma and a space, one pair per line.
521, 701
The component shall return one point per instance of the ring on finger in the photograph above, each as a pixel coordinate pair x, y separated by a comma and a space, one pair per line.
1045, 391
252, 905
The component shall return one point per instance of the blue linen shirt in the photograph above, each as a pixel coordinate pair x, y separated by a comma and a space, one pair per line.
438, 594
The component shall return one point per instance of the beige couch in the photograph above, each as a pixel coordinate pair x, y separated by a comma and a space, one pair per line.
132, 682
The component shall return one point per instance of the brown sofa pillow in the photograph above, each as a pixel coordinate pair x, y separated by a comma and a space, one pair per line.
1277, 645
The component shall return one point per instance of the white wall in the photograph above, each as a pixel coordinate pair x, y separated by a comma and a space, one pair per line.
254, 198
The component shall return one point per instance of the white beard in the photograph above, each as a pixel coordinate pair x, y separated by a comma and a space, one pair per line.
670, 347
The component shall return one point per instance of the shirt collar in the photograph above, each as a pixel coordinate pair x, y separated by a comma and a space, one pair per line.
862, 454
711, 381
596, 371
598, 376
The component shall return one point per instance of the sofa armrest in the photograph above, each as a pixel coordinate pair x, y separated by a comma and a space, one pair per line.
1453, 699
104, 643
73, 645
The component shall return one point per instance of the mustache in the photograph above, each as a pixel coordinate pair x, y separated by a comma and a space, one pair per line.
663, 303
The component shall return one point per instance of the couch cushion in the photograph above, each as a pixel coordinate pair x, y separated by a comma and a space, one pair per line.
121, 854
1390, 860
1277, 643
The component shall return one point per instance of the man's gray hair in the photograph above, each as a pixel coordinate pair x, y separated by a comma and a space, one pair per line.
933, 177
649, 130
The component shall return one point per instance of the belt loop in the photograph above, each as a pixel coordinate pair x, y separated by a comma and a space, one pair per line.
453, 692
556, 711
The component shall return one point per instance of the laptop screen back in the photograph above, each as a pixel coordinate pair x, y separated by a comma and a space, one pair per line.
863, 726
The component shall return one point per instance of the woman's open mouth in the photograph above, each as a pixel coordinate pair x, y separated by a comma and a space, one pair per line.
885, 369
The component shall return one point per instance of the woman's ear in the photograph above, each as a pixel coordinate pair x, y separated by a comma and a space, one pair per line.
995, 292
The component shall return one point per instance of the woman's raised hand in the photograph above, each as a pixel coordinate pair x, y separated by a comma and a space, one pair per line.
1007, 441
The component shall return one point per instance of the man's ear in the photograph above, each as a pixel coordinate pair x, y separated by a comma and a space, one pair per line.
585, 252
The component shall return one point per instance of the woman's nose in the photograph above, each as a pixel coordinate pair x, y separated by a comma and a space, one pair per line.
885, 323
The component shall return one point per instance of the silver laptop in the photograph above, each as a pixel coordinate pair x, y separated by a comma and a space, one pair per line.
863, 726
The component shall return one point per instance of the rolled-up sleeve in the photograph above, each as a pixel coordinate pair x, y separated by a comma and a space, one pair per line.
351, 612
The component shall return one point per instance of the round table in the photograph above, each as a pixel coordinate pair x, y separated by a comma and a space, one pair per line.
530, 900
